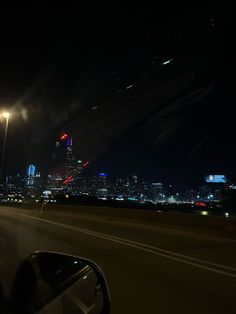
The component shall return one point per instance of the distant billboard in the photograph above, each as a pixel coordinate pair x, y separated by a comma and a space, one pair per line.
217, 178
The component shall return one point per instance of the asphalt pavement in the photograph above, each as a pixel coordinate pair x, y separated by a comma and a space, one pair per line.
149, 269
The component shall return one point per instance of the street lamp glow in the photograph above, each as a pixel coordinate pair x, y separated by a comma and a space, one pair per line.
6, 115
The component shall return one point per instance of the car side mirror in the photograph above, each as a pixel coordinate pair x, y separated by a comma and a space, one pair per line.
48, 282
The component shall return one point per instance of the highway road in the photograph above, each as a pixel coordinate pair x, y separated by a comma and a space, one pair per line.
149, 269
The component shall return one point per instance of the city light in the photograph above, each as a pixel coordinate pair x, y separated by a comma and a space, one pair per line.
204, 213
69, 141
85, 164
227, 215
63, 136
200, 204
102, 174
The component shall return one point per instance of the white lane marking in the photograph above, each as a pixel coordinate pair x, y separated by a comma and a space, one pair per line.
141, 246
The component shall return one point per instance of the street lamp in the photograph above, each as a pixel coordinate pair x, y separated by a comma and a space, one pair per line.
6, 116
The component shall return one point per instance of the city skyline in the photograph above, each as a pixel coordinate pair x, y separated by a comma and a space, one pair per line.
67, 158
103, 185
79, 171
66, 166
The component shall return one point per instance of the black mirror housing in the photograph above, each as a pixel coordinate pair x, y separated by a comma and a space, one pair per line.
48, 279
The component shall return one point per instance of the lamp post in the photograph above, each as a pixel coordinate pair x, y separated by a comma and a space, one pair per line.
6, 116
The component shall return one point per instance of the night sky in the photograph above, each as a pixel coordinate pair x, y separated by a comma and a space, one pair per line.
142, 89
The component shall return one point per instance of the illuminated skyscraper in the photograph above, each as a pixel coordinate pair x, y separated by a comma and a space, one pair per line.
33, 183
70, 168
31, 170
31, 173
65, 165
62, 162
